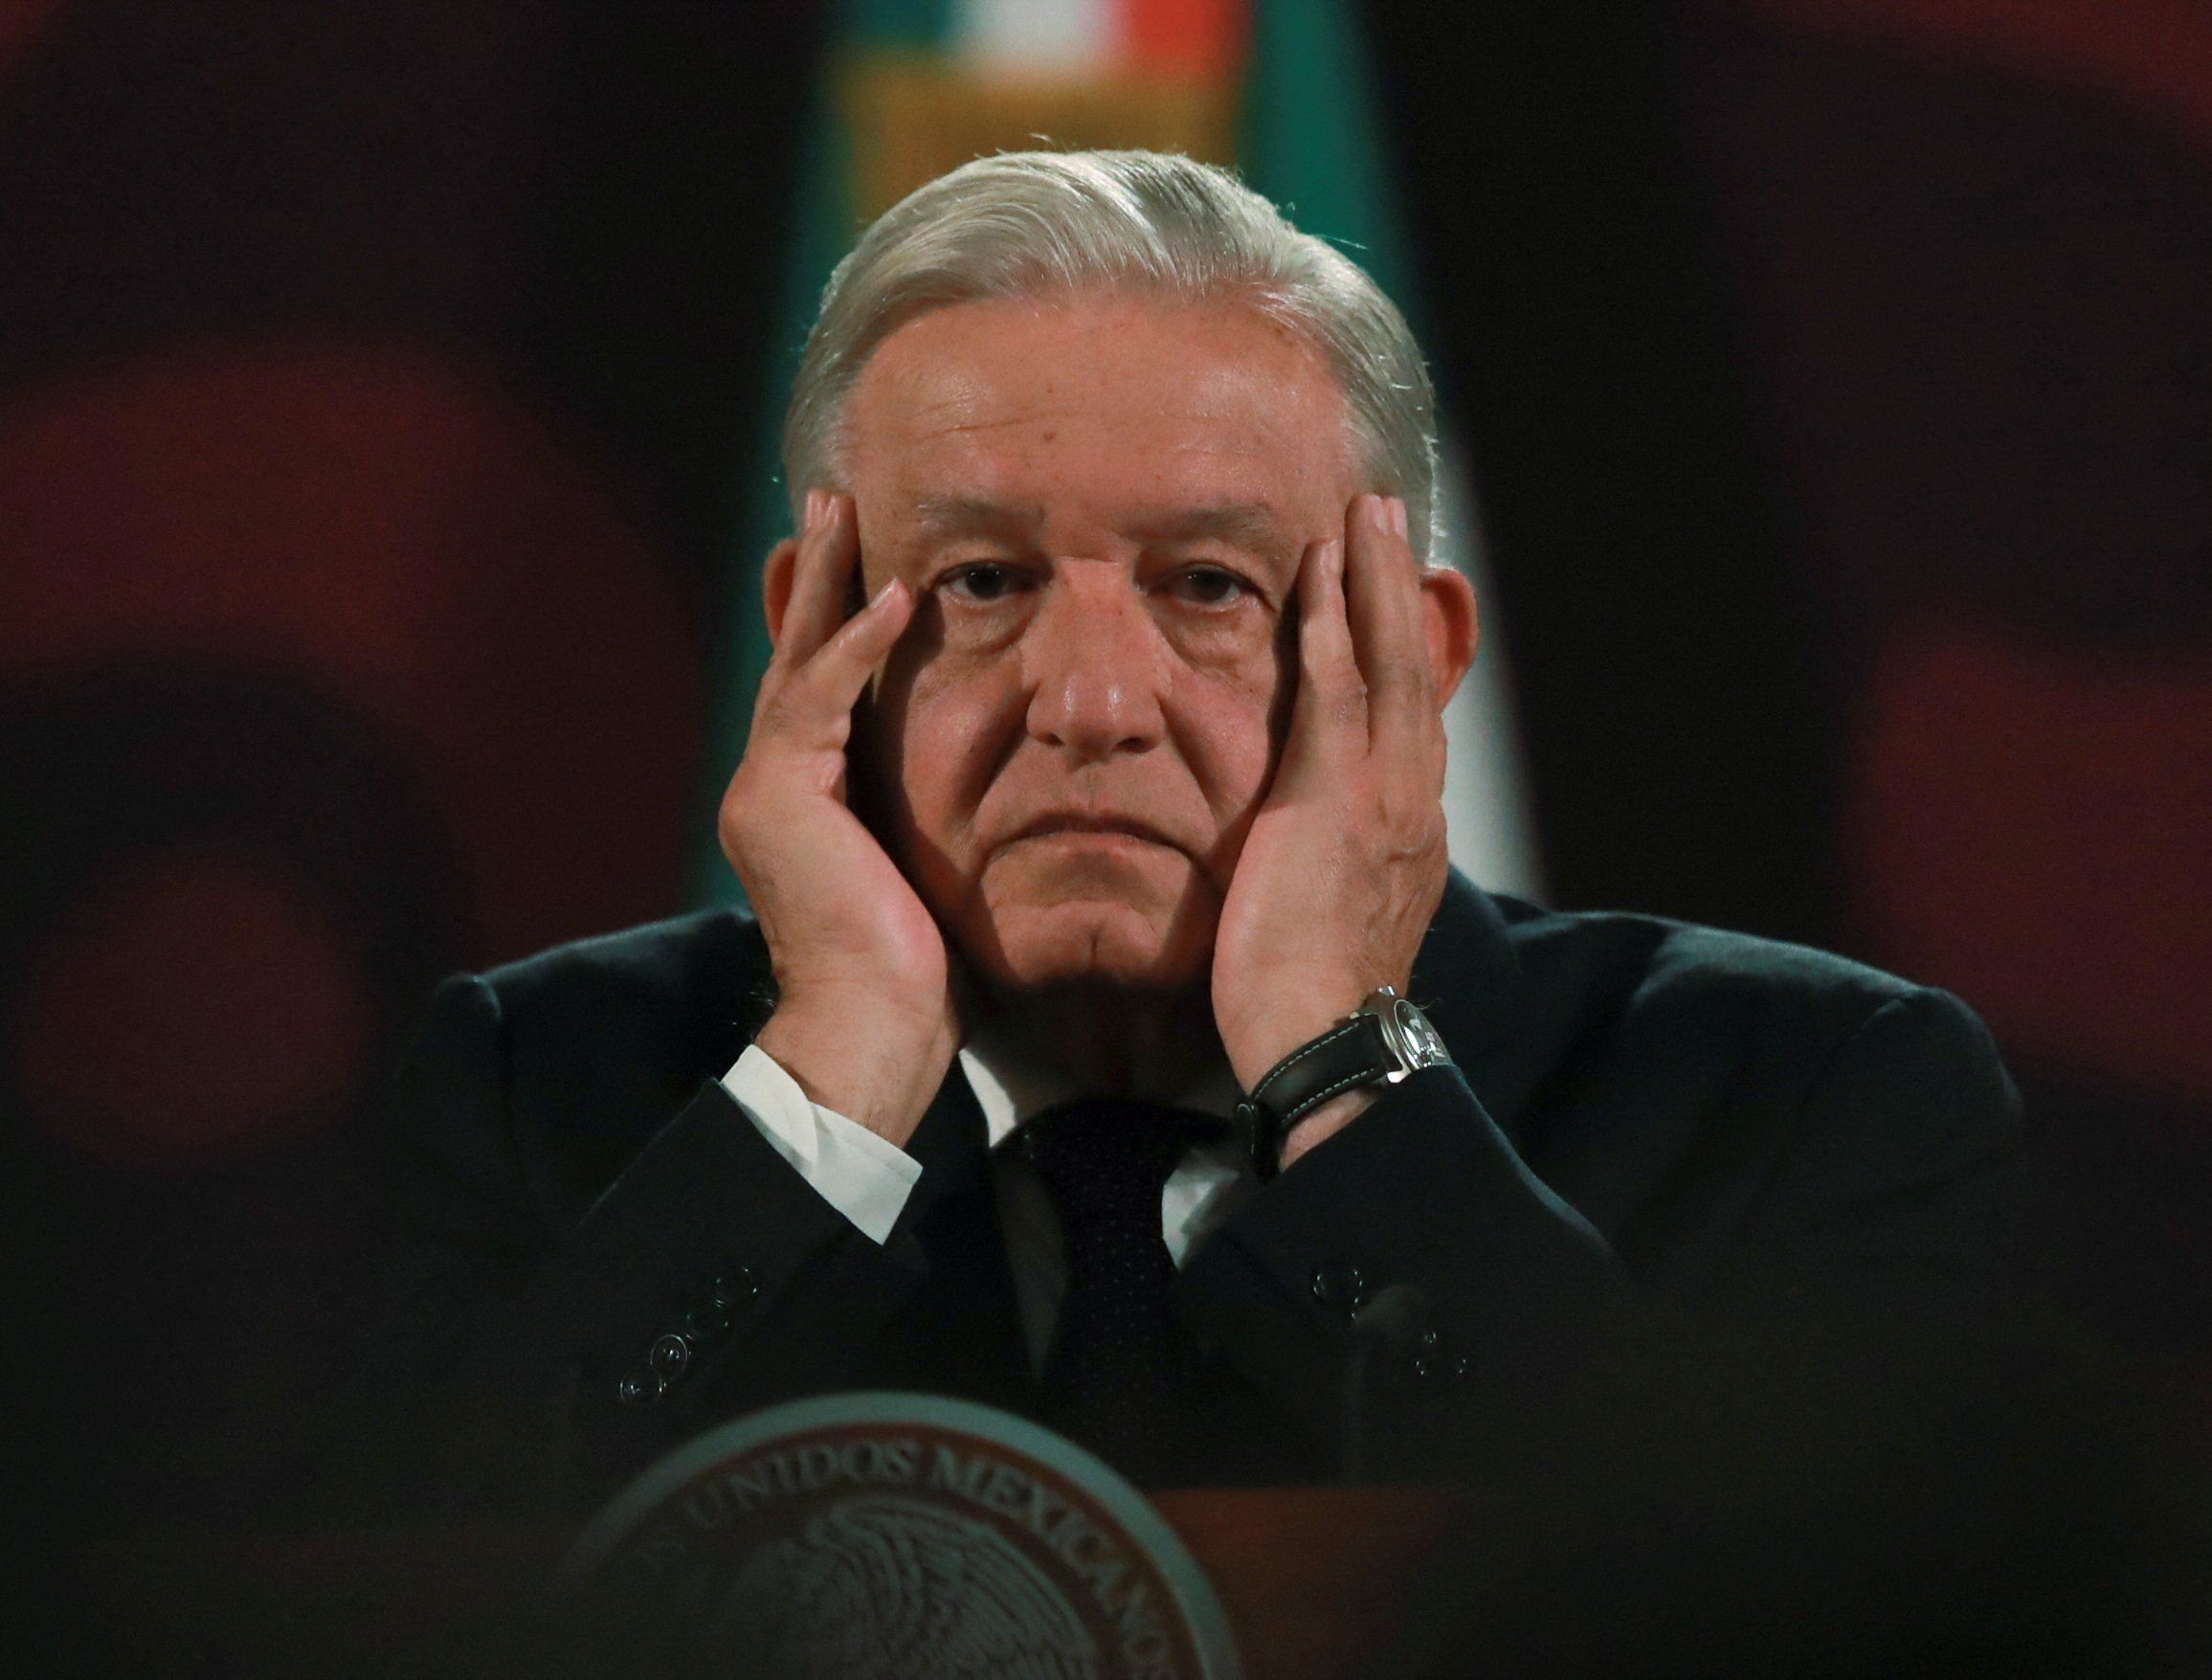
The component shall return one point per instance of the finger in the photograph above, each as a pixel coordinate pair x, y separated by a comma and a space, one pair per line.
1330, 716
820, 698
1383, 602
829, 548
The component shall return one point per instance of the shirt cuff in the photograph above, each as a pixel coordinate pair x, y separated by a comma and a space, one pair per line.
866, 1177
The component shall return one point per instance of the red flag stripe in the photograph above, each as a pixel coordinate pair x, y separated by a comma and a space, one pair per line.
1194, 39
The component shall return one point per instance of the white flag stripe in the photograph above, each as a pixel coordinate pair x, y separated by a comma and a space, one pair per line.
1054, 37
1490, 830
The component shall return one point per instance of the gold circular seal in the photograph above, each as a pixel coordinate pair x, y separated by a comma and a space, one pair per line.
898, 1537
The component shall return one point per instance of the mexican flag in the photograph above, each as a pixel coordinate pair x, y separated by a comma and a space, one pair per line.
1280, 90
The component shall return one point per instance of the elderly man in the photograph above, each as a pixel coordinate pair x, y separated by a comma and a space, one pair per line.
1111, 1040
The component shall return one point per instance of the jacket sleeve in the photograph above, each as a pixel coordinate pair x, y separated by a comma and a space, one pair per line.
1412, 1276
513, 1357
1899, 1187
1413, 1233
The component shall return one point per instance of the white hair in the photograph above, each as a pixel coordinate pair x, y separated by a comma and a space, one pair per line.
1038, 224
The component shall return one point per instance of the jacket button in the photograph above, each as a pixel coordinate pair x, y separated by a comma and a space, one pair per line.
736, 1287
1338, 1283
669, 1357
640, 1388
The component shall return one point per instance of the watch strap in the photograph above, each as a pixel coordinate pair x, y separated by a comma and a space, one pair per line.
1350, 1053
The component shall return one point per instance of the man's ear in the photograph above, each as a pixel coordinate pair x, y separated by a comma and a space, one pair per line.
776, 575
1453, 623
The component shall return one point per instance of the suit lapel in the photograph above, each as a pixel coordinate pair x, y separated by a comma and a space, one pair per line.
962, 1334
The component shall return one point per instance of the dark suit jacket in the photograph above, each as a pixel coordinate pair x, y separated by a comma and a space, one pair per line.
1644, 1116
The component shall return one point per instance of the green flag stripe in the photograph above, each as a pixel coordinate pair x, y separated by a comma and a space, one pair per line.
820, 231
1310, 140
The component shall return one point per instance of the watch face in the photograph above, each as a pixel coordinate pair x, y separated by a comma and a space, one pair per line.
1421, 1046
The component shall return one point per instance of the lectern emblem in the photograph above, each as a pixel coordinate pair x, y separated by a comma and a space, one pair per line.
898, 1537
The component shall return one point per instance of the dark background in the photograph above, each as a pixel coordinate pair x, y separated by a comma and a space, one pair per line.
373, 385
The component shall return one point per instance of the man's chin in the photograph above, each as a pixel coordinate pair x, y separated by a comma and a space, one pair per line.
1078, 945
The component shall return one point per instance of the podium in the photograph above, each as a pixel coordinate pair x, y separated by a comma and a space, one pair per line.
1314, 1582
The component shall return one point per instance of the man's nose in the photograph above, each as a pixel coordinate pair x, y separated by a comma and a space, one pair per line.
1095, 664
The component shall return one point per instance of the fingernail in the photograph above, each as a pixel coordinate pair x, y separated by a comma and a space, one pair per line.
1332, 560
816, 499
1397, 519
1377, 512
883, 594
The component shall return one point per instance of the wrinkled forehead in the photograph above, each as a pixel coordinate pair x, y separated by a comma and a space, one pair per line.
1161, 520
1010, 408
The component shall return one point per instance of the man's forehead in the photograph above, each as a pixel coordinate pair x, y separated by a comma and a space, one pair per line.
1255, 524
967, 370
1159, 424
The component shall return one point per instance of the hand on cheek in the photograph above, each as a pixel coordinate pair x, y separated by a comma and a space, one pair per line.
865, 1019
1345, 860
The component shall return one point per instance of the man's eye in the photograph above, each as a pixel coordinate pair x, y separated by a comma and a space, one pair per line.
985, 582
1210, 586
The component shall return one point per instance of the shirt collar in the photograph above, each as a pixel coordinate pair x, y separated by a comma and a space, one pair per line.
1010, 1089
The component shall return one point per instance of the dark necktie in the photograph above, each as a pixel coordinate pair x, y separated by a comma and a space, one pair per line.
1121, 1376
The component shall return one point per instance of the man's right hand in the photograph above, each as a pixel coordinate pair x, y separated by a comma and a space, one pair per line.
865, 1019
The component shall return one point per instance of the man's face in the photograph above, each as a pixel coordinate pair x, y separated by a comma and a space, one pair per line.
1100, 505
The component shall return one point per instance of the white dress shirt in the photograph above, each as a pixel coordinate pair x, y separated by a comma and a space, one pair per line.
868, 1180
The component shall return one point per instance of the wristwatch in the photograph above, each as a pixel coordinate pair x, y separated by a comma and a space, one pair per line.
1381, 1042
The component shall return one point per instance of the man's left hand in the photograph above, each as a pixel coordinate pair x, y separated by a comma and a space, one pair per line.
1345, 861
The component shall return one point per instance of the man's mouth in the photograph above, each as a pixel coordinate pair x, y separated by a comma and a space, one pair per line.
1075, 824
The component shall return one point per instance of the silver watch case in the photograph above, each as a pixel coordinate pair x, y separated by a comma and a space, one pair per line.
1406, 1033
